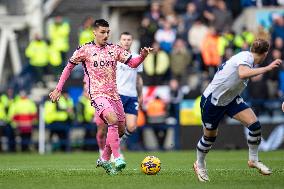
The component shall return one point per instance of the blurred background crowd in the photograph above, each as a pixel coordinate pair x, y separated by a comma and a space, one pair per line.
191, 38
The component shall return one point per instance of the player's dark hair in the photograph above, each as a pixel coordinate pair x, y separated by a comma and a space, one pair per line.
100, 22
125, 33
260, 46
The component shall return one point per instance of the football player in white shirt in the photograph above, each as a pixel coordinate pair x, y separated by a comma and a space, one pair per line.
129, 83
221, 97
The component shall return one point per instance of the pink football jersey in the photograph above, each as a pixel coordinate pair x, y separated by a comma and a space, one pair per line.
99, 65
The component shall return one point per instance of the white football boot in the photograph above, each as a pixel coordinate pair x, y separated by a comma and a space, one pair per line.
201, 173
263, 169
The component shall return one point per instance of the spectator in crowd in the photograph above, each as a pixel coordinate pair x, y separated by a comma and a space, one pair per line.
167, 8
210, 53
272, 78
86, 32
222, 16
258, 92
176, 96
156, 112
207, 8
7, 99
146, 32
156, 67
58, 32
189, 18
279, 45
277, 28
55, 60
38, 54
166, 36
180, 59
58, 116
244, 39
226, 41
23, 119
196, 36
155, 13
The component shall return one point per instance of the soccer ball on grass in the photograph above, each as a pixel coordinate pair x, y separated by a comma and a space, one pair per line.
151, 165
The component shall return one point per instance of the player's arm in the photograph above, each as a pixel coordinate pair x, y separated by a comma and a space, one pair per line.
247, 72
126, 58
56, 93
135, 62
139, 88
283, 106
77, 57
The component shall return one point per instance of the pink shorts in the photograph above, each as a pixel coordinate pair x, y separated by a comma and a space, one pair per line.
106, 105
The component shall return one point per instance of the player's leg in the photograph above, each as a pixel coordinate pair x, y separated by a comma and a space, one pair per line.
112, 138
104, 160
101, 133
248, 118
131, 125
105, 111
131, 110
118, 158
211, 116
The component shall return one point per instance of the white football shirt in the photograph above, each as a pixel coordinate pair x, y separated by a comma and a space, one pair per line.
226, 84
126, 78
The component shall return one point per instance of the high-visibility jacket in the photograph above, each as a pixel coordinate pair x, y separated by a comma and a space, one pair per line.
224, 41
58, 111
209, 51
59, 36
49, 112
23, 113
86, 36
62, 109
162, 63
156, 108
55, 58
85, 110
244, 37
37, 52
3, 116
4, 100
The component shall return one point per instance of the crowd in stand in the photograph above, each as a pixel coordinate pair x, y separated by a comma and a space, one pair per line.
190, 40
194, 41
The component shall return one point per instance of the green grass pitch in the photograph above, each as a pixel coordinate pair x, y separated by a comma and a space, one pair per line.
227, 169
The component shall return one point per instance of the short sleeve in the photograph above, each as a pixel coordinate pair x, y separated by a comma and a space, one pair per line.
123, 56
78, 56
246, 59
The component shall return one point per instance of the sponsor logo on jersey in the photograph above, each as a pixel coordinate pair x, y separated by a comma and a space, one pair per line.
104, 63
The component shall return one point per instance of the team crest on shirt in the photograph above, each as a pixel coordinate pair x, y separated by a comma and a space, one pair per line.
111, 53
125, 54
239, 100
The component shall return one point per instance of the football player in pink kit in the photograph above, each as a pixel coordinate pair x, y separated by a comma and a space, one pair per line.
99, 61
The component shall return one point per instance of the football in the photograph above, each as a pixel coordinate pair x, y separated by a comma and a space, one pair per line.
151, 165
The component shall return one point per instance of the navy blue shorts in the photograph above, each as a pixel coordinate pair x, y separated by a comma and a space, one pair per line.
130, 104
211, 115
